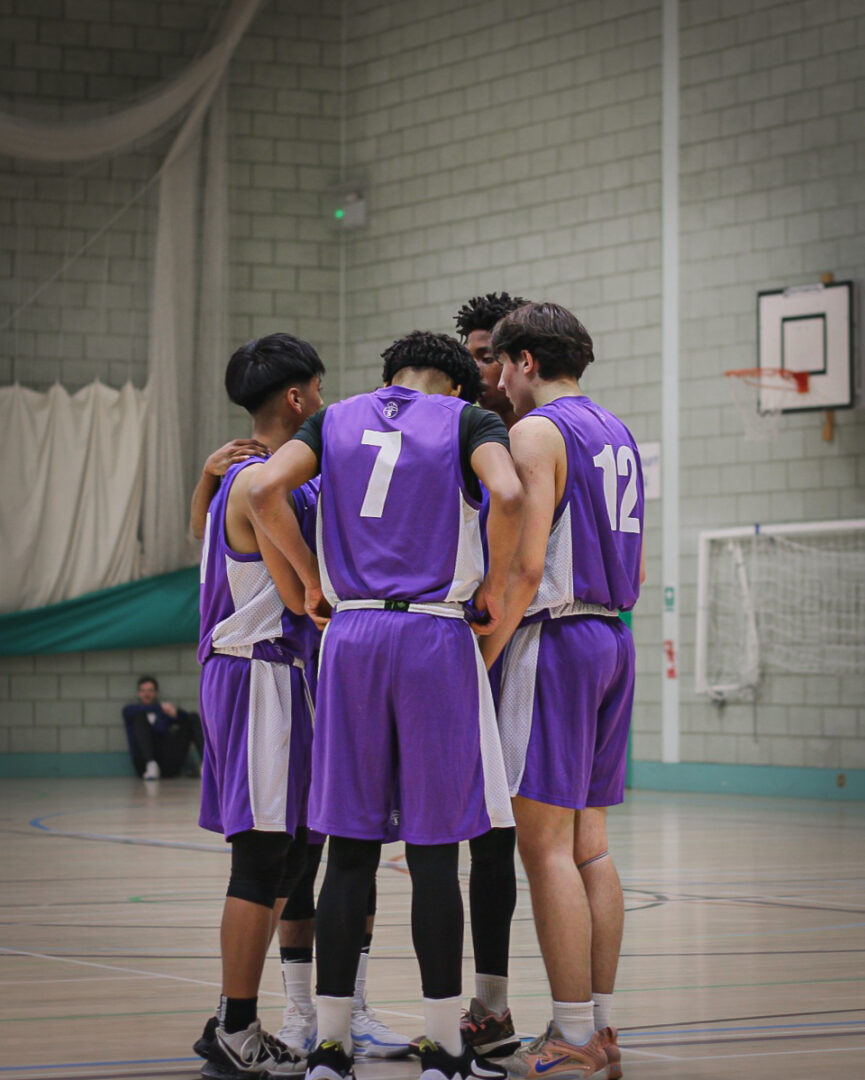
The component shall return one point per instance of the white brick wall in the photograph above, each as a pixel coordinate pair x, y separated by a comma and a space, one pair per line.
502, 145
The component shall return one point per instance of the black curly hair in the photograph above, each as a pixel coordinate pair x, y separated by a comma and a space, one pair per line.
483, 312
552, 334
423, 349
261, 367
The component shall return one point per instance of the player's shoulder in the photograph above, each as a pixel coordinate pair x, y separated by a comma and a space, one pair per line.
536, 433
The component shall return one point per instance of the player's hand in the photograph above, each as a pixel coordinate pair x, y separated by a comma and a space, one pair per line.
221, 460
317, 608
485, 611
169, 709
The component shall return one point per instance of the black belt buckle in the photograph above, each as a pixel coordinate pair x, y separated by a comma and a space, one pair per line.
396, 605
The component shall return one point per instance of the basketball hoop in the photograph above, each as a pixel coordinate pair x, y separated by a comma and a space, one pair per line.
760, 395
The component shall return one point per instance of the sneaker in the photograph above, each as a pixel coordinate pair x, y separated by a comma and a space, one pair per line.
551, 1055
298, 1026
610, 1038
486, 1033
371, 1038
251, 1052
328, 1061
437, 1064
151, 771
207, 1039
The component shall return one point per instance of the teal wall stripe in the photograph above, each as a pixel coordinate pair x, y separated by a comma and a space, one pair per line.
779, 780
40, 766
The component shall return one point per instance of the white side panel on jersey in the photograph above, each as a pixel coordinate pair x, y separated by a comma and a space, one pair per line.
469, 564
557, 584
517, 703
496, 796
268, 743
205, 547
326, 584
258, 608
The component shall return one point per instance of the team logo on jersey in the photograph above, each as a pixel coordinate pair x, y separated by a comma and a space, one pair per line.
391, 409
394, 818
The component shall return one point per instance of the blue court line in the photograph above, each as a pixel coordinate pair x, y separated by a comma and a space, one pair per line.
664, 1032
97, 1064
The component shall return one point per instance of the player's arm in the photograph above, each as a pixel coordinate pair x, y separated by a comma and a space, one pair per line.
244, 535
494, 467
216, 466
273, 512
535, 449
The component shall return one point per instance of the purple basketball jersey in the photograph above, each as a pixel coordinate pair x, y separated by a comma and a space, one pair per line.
593, 554
241, 611
394, 518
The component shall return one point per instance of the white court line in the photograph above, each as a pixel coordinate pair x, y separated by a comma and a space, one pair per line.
158, 975
649, 1053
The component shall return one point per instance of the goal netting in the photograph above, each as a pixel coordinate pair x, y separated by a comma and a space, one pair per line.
779, 598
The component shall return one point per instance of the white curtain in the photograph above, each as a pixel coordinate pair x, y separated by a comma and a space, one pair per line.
71, 476
186, 357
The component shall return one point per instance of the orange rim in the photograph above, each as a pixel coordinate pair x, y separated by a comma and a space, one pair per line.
798, 380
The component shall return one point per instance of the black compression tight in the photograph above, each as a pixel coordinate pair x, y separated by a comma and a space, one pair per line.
493, 898
437, 915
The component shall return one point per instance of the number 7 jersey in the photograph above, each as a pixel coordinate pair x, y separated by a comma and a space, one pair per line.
594, 551
395, 517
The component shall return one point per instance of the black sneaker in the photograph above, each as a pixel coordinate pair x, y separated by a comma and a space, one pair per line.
437, 1063
207, 1039
328, 1061
251, 1052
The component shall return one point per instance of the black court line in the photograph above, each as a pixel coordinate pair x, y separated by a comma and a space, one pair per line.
689, 899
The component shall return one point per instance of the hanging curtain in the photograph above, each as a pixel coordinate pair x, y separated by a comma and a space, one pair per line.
181, 404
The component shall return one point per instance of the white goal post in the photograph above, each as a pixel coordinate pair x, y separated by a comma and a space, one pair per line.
779, 598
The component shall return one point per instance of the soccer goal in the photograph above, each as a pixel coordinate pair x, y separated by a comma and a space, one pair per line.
779, 598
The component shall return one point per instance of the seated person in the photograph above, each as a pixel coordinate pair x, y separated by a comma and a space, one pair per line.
159, 733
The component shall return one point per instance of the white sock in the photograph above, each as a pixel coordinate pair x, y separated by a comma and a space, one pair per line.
360, 978
334, 1020
492, 990
603, 1010
297, 979
575, 1020
443, 1023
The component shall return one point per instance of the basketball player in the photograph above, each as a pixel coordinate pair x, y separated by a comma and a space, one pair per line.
568, 677
296, 926
404, 708
487, 1024
255, 640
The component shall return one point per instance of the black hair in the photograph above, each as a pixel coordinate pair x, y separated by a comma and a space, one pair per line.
146, 678
556, 339
483, 312
262, 367
423, 349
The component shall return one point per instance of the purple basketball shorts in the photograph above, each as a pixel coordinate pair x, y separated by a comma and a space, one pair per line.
565, 711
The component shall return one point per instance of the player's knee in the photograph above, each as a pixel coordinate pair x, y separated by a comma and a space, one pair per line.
354, 856
257, 866
430, 864
584, 861
300, 904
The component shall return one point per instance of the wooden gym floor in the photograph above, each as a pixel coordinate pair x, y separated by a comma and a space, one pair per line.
743, 952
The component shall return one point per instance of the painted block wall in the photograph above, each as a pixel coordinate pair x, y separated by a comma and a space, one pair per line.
505, 145
283, 147
772, 194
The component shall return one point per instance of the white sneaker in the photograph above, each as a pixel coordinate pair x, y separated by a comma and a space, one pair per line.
298, 1026
251, 1052
371, 1038
151, 771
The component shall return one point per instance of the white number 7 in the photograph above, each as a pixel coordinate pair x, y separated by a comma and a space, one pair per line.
390, 443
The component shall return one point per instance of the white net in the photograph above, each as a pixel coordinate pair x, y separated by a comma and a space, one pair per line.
761, 399
782, 602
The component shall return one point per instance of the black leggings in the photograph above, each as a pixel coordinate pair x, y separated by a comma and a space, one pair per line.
301, 900
492, 898
436, 915
263, 863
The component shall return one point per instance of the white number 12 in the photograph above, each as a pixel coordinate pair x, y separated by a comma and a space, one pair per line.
623, 463
390, 443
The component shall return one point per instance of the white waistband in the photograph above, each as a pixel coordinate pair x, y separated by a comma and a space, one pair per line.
246, 652
580, 607
444, 609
